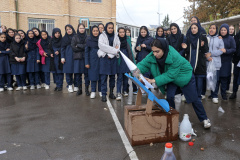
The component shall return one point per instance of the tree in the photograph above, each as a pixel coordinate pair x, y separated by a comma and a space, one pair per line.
166, 22
207, 10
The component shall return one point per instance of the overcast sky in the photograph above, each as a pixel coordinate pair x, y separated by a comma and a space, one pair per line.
144, 12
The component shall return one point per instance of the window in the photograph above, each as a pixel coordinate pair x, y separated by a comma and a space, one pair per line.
85, 21
93, 1
42, 24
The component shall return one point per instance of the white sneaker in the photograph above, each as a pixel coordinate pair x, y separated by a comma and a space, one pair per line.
203, 96
100, 94
125, 94
70, 89
18, 88
119, 97
24, 87
47, 87
207, 123
215, 100
183, 98
39, 86
1, 89
229, 92
9, 88
75, 89
32, 87
93, 95
43, 84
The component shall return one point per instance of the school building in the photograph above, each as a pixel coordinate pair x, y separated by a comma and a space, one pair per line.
47, 14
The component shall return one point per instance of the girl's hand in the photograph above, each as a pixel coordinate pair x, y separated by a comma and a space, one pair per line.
38, 61
117, 47
202, 43
184, 45
56, 52
209, 59
87, 66
7, 49
22, 59
17, 59
143, 45
0, 52
208, 55
51, 55
150, 80
63, 60
223, 50
138, 48
220, 37
26, 46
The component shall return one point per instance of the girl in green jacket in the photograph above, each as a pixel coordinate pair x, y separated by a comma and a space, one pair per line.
170, 69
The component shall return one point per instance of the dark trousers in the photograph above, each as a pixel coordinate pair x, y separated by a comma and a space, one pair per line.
21, 80
191, 95
47, 78
204, 87
236, 71
221, 83
122, 81
228, 82
42, 78
78, 79
94, 86
69, 79
104, 83
59, 79
5, 78
199, 84
34, 78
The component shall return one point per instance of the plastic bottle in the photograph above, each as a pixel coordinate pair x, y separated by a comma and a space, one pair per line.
185, 129
168, 155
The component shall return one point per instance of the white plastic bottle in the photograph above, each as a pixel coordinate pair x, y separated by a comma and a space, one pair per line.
168, 154
185, 130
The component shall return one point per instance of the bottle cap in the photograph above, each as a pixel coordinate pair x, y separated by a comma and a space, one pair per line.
168, 145
190, 143
186, 115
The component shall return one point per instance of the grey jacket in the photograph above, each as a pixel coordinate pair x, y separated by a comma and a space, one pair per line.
215, 44
105, 49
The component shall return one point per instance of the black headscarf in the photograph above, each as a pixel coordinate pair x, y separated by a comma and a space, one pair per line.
39, 36
194, 37
161, 61
141, 39
25, 39
175, 37
4, 45
109, 35
216, 30
45, 42
56, 42
82, 36
31, 41
92, 41
201, 30
9, 39
66, 40
123, 40
157, 36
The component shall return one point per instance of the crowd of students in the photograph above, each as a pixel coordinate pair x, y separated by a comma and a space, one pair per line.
32, 56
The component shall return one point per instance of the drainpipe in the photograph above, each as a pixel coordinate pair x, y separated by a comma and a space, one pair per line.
17, 16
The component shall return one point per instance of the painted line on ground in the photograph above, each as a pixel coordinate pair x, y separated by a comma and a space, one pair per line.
127, 145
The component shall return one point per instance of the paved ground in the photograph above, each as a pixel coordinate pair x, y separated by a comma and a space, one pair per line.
48, 125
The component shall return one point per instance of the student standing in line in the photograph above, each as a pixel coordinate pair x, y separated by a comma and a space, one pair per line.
4, 64
10, 35
23, 35
226, 60
176, 39
92, 61
17, 61
78, 46
197, 54
33, 60
122, 80
101, 27
128, 32
4, 29
215, 49
55, 47
109, 45
236, 70
169, 67
44, 51
67, 56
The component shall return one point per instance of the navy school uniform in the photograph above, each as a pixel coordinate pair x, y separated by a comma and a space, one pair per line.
18, 68
67, 54
226, 60
5, 69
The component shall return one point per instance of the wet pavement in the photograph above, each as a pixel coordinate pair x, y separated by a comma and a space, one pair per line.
47, 125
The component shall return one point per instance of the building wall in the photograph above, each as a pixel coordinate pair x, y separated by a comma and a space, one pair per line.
62, 11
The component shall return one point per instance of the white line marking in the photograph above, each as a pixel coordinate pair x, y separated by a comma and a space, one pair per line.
127, 145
